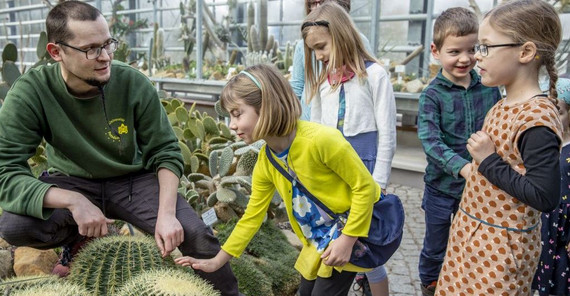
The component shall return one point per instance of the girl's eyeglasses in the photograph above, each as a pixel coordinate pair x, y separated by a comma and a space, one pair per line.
484, 48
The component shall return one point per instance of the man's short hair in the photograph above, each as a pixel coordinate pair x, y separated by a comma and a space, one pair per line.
58, 17
455, 21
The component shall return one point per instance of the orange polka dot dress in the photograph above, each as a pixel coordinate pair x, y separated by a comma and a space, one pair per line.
494, 242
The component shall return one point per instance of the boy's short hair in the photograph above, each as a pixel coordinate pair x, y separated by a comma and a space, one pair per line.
455, 21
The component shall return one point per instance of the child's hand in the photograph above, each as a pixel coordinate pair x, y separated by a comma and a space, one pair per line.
465, 170
338, 252
480, 146
207, 265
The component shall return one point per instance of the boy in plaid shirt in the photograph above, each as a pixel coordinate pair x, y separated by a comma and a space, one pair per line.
451, 108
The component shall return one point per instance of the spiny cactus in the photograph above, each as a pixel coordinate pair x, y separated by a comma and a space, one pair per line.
11, 285
60, 288
251, 281
167, 282
105, 264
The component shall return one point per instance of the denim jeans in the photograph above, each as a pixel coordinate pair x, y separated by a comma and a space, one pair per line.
439, 210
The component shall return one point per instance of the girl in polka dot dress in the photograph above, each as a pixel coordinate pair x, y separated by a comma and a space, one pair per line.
494, 243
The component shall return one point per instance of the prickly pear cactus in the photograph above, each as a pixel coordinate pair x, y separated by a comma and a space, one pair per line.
104, 265
167, 282
57, 288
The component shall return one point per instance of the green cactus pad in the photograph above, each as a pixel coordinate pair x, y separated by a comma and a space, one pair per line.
10, 53
226, 195
10, 72
186, 153
181, 114
219, 110
105, 264
194, 163
226, 159
210, 126
41, 48
167, 282
212, 199
225, 130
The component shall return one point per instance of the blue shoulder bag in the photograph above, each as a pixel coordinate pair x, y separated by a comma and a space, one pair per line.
386, 226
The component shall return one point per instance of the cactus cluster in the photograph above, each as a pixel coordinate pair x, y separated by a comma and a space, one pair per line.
267, 266
167, 282
217, 166
105, 264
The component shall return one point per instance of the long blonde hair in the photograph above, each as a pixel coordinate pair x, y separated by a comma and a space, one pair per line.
347, 48
535, 21
274, 100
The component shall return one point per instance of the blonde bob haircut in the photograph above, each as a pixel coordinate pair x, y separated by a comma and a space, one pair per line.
275, 102
347, 48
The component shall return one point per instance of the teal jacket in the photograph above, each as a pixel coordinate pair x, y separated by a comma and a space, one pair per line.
327, 165
79, 142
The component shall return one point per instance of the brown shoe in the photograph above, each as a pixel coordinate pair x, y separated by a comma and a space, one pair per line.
429, 290
63, 265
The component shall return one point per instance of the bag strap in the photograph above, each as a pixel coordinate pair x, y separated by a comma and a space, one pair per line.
297, 184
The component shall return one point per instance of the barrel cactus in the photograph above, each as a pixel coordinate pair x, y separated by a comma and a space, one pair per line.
11, 285
167, 282
56, 288
106, 264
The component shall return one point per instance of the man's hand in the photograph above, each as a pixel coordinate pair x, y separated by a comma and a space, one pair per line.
168, 233
480, 146
90, 220
338, 252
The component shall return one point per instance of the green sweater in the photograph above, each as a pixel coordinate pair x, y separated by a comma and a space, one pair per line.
79, 142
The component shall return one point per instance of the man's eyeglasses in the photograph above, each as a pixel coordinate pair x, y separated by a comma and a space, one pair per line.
484, 49
93, 53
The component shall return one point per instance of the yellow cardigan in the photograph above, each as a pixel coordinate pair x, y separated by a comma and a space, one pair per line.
327, 165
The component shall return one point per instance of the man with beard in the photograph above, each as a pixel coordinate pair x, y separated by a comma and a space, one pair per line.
111, 151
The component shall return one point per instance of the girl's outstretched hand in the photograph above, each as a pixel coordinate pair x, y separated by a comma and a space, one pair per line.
338, 252
207, 265
480, 146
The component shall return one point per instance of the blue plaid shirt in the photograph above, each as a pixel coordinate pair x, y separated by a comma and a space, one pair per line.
448, 115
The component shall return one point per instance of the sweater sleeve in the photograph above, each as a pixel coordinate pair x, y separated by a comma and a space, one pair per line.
385, 118
540, 186
155, 136
20, 134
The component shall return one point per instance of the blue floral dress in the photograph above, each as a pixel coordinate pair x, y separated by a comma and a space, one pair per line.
317, 226
553, 274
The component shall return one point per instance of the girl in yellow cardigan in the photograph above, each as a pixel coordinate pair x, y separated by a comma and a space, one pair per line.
262, 105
